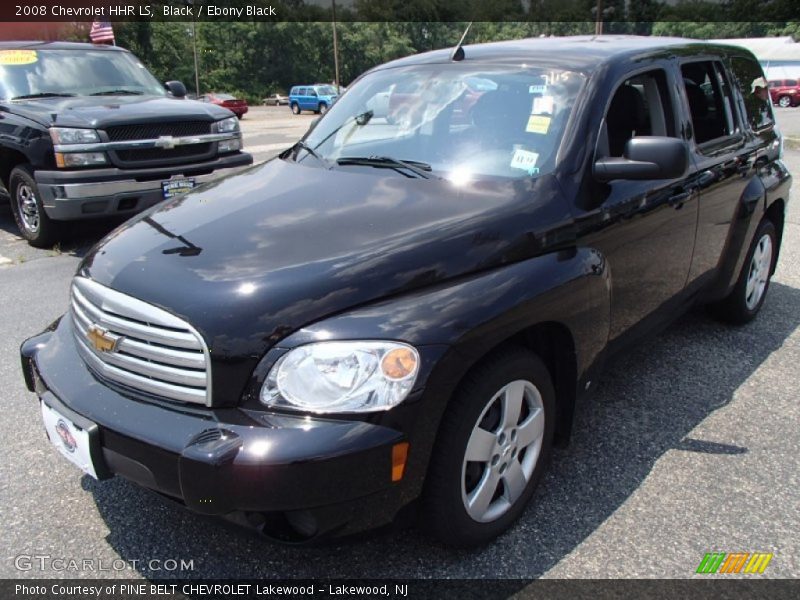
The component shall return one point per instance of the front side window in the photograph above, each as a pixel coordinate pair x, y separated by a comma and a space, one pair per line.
710, 101
749, 79
470, 121
31, 73
641, 105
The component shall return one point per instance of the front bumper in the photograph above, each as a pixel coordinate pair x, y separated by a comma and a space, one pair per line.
295, 478
87, 193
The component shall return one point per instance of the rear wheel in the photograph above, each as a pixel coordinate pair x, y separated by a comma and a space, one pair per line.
295, 108
26, 204
750, 291
784, 101
493, 445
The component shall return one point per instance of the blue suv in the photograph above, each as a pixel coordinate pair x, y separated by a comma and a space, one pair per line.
318, 97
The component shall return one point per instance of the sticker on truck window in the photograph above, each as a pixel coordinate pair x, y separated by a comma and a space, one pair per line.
537, 89
543, 105
538, 124
18, 57
525, 160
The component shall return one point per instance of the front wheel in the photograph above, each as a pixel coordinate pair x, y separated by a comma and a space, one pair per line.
323, 108
784, 101
26, 204
492, 447
750, 291
295, 108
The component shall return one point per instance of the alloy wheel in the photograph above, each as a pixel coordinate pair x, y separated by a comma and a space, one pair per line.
502, 451
27, 208
758, 275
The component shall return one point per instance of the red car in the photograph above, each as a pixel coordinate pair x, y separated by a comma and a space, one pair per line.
233, 104
784, 92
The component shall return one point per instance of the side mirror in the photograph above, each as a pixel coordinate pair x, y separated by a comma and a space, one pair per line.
646, 157
176, 88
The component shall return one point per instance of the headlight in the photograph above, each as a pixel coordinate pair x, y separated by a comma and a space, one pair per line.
69, 135
230, 145
80, 159
228, 125
353, 376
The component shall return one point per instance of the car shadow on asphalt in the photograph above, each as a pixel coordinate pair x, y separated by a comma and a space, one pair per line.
77, 237
647, 403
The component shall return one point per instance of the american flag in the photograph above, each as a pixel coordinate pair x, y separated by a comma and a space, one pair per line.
101, 32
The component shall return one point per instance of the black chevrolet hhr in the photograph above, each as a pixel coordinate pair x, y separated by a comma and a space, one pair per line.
398, 315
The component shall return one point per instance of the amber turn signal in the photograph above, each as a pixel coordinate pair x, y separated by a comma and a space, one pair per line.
399, 363
399, 457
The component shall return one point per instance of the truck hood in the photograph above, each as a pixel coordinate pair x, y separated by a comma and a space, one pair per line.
97, 112
251, 258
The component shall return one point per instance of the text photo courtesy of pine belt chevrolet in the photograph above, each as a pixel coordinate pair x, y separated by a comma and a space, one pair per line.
396, 317
88, 132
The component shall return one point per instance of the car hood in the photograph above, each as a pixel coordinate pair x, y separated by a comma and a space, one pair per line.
253, 257
98, 112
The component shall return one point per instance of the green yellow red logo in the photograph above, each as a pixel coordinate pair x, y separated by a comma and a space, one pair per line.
734, 562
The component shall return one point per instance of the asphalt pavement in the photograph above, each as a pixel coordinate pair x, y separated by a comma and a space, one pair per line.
689, 446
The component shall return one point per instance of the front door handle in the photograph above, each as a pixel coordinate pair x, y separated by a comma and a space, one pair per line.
677, 200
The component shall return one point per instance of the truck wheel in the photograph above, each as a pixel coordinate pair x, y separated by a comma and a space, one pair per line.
784, 101
748, 295
295, 108
26, 204
493, 445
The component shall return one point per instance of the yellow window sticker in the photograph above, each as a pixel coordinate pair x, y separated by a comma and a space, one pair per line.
18, 57
543, 105
538, 124
525, 160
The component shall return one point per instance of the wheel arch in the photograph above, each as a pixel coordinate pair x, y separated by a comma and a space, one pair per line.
8, 160
776, 212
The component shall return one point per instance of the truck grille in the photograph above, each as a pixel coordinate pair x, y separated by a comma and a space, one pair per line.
151, 131
139, 346
147, 154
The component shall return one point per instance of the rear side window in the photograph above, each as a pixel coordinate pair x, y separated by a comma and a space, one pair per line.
791, 82
710, 101
749, 79
640, 106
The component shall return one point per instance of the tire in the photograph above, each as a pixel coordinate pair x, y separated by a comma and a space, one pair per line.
470, 502
26, 204
295, 108
323, 108
750, 291
784, 101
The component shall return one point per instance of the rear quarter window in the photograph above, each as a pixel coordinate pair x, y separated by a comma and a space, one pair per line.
749, 79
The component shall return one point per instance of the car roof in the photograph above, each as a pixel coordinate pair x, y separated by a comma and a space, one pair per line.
581, 52
34, 45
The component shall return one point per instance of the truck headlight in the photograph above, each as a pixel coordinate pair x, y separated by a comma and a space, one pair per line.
228, 125
70, 135
340, 377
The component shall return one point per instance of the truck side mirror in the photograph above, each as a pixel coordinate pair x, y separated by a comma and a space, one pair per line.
646, 157
176, 88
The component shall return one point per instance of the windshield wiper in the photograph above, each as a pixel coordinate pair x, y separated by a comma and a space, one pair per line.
303, 146
117, 93
420, 169
43, 95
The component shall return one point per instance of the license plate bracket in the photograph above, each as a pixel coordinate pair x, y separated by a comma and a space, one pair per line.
74, 437
177, 186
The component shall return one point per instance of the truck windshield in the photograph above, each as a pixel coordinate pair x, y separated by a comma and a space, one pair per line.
459, 121
49, 72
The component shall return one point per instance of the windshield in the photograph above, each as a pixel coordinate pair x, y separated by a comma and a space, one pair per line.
463, 121
73, 73
326, 90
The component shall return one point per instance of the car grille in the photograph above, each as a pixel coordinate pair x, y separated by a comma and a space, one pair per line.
147, 154
151, 131
154, 351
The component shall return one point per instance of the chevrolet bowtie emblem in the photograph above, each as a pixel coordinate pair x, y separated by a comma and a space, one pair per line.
102, 340
166, 141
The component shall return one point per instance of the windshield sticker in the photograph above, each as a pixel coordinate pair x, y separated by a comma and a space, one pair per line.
538, 124
525, 160
537, 89
542, 105
18, 57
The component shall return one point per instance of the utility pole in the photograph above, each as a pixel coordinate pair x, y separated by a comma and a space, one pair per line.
194, 51
598, 24
335, 46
